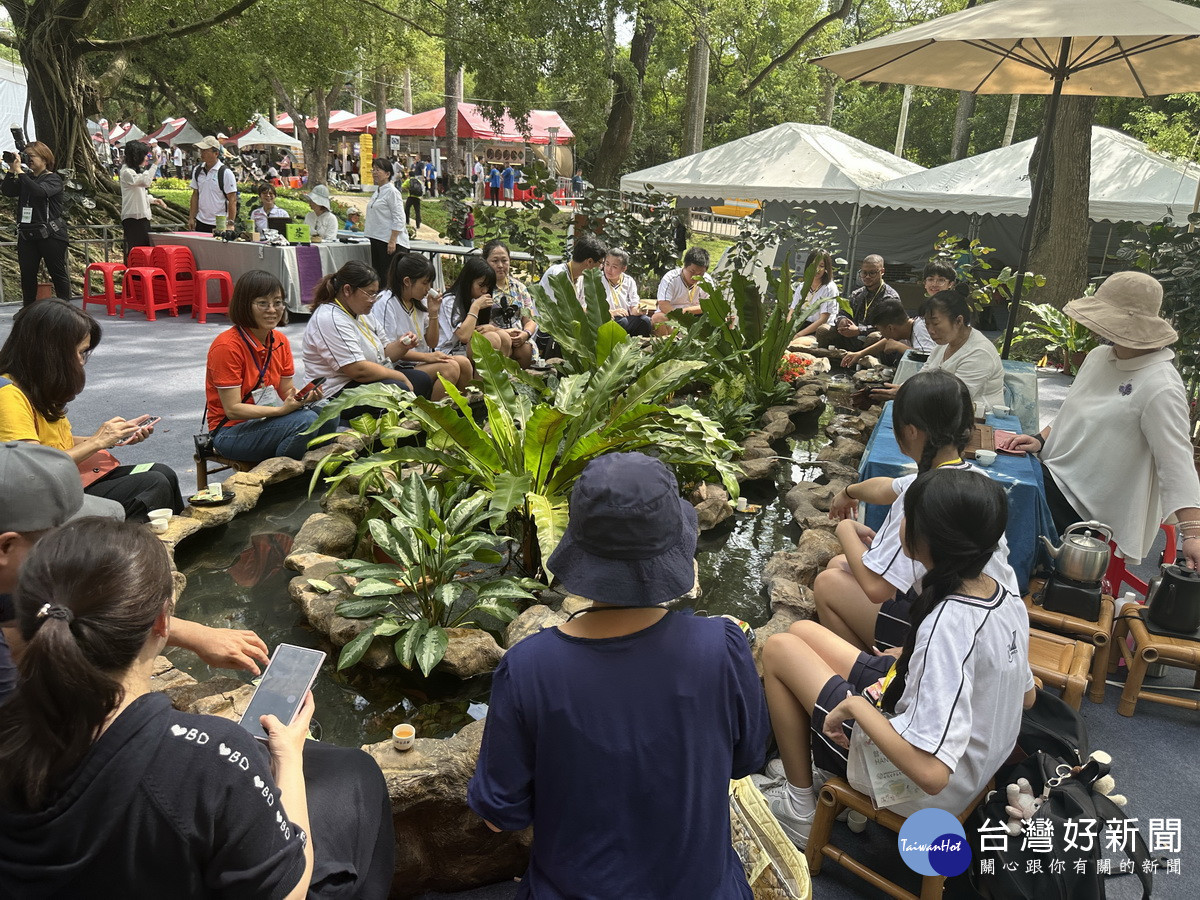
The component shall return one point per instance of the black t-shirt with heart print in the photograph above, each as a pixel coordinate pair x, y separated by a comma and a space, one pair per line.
165, 804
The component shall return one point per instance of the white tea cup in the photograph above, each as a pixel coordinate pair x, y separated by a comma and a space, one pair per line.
403, 736
985, 457
159, 526
1001, 411
742, 504
156, 514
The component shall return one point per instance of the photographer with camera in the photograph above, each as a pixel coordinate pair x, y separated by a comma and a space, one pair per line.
41, 231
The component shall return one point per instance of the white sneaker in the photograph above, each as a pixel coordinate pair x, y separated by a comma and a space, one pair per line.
774, 774
794, 826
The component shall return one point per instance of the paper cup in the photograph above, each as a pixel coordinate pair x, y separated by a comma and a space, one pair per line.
403, 736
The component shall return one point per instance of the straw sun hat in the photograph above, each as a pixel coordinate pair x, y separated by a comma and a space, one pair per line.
1124, 310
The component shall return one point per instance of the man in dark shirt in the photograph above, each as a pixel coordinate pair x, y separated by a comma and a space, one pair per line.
851, 332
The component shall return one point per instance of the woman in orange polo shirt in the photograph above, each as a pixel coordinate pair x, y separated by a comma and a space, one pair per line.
248, 360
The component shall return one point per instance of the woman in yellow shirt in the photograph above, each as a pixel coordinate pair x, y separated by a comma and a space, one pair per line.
42, 363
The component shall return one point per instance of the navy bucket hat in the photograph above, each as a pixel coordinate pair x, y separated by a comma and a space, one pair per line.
631, 539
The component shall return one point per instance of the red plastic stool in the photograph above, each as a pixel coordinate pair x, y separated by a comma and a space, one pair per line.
180, 267
140, 257
1117, 574
108, 297
200, 304
145, 292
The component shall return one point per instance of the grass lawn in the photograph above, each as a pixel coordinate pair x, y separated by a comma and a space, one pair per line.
714, 244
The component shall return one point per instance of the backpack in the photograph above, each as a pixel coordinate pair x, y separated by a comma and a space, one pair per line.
1059, 770
416, 186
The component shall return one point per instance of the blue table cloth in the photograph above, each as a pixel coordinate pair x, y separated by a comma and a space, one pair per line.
1028, 514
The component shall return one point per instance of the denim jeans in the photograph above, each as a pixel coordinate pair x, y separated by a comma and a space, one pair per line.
257, 439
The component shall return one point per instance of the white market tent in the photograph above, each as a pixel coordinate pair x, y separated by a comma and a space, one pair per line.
789, 163
987, 196
1129, 183
262, 133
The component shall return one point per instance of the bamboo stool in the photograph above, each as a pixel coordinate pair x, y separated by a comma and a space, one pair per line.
836, 795
1062, 663
1149, 648
1097, 633
211, 465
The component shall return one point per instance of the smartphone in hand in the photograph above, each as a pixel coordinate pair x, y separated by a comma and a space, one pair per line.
289, 676
307, 389
150, 422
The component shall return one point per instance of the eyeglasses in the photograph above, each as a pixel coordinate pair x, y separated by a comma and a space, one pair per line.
269, 304
371, 295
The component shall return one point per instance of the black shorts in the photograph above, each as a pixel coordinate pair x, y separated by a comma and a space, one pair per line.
867, 670
421, 382
894, 621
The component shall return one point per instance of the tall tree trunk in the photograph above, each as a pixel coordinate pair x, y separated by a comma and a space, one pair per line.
301, 132
961, 136
61, 96
697, 89
828, 98
627, 101
1014, 106
406, 98
452, 66
382, 82
1060, 234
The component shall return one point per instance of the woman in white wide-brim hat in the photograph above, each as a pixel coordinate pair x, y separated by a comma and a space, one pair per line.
1120, 449
322, 223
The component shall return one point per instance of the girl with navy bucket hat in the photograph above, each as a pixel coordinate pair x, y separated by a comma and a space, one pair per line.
616, 734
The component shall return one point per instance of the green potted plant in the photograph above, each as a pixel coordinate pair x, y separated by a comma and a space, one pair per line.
430, 535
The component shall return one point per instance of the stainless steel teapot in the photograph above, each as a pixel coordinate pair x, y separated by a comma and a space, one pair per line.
1081, 557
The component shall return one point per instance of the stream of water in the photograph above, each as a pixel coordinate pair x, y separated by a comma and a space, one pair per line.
236, 579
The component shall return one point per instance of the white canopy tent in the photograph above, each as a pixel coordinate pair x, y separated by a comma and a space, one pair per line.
1129, 183
262, 133
788, 165
987, 196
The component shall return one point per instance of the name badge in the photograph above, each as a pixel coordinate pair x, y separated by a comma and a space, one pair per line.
26, 215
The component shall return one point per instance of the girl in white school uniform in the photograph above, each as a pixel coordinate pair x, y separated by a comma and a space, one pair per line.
408, 307
864, 595
822, 290
948, 710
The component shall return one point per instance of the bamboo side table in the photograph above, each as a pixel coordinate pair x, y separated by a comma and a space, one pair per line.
1149, 648
1098, 633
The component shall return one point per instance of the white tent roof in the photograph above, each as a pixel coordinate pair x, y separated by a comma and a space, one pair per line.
1130, 183
263, 134
789, 163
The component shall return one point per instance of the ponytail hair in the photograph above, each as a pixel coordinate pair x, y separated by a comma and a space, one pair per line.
86, 600
938, 404
413, 266
952, 303
958, 517
356, 273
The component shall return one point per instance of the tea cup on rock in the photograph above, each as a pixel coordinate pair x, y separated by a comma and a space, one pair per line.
404, 736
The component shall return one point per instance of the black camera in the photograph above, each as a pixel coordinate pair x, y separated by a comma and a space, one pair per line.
18, 135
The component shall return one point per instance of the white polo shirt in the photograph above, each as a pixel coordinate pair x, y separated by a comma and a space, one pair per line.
334, 338
962, 699
394, 320
621, 296
887, 559
679, 295
213, 202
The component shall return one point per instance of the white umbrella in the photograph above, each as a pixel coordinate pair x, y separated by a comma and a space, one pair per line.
1133, 48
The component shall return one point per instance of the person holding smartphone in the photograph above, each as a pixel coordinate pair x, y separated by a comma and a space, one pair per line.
41, 371
41, 231
96, 766
248, 360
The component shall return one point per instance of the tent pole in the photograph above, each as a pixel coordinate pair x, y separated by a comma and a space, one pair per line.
1035, 199
1107, 242
852, 244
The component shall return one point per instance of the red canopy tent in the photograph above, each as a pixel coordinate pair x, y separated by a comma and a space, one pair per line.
474, 125
366, 122
336, 117
176, 131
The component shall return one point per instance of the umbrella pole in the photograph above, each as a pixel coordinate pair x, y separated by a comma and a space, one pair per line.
1035, 197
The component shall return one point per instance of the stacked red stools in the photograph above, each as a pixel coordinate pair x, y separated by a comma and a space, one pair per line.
140, 256
191, 284
148, 289
108, 295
